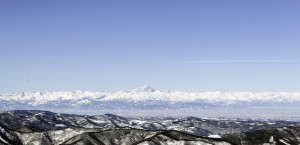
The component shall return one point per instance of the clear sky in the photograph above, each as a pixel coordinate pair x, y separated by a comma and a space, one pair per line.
194, 45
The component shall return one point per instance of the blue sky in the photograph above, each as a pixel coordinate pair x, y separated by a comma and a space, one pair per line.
195, 45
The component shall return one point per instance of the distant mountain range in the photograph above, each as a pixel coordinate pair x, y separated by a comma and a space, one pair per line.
145, 98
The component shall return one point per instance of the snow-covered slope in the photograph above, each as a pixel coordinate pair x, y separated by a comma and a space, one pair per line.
35, 120
145, 97
48, 128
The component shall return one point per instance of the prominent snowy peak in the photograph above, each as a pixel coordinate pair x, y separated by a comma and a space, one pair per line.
144, 88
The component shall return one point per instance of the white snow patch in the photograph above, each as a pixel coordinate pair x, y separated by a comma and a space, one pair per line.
3, 140
271, 139
283, 141
138, 121
60, 125
214, 136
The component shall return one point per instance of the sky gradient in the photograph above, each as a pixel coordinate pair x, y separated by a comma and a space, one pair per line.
195, 45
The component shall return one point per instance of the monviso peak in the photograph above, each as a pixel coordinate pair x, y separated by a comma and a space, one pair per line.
144, 88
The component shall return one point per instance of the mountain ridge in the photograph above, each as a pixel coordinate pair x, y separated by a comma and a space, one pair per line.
147, 98
149, 94
45, 127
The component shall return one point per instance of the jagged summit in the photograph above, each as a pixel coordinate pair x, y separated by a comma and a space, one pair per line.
144, 88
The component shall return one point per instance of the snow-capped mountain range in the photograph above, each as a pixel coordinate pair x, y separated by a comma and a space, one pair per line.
145, 97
